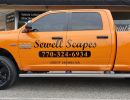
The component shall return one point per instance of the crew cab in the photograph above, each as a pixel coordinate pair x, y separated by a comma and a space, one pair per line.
75, 42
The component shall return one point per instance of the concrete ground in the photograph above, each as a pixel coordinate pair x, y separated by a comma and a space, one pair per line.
68, 89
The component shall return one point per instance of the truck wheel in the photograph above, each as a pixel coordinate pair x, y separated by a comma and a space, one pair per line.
8, 72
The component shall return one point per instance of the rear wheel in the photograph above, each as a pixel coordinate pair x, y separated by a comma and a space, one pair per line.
8, 72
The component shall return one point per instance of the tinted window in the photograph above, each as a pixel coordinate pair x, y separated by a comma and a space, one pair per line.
85, 21
51, 22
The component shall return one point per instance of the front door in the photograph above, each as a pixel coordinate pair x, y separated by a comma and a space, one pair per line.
88, 41
41, 49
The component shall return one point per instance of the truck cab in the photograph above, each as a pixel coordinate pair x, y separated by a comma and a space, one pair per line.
69, 40
64, 40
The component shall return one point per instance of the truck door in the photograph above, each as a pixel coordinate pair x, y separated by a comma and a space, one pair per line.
41, 49
88, 41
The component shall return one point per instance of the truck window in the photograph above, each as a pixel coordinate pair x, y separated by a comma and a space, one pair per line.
51, 22
85, 21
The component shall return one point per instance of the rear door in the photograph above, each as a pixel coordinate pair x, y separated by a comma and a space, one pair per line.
88, 41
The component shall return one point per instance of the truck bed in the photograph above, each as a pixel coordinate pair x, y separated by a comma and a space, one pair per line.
123, 48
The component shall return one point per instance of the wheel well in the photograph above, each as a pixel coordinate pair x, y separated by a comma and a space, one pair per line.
7, 54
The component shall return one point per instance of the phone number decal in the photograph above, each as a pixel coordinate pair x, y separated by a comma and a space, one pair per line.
64, 54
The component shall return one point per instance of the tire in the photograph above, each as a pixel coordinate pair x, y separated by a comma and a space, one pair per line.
8, 73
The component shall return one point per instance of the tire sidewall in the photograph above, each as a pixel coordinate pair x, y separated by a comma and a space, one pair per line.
12, 73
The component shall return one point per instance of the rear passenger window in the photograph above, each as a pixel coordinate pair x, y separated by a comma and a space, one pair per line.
85, 21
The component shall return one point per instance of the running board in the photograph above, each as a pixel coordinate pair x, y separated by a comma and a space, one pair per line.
75, 75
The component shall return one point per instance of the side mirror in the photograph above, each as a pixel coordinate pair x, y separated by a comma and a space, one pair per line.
28, 27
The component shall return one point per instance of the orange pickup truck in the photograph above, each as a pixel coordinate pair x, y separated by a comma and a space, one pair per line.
75, 42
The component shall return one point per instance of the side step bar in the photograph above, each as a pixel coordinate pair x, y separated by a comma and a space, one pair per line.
75, 75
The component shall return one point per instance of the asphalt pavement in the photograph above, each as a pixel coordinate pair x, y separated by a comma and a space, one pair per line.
68, 89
